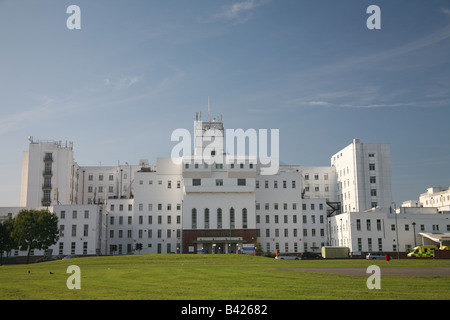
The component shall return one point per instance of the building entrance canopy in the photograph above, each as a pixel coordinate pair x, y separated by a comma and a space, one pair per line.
216, 245
442, 238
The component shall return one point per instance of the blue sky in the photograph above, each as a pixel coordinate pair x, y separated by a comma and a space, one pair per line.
137, 70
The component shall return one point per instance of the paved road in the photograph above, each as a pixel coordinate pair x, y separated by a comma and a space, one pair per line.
414, 272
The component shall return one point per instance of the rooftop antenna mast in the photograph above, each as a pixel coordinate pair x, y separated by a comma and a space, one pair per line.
209, 118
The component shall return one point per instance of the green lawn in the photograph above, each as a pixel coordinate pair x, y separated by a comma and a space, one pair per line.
215, 277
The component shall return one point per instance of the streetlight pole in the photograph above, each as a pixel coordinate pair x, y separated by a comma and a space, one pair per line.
396, 231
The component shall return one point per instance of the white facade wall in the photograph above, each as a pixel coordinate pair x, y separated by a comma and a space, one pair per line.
319, 182
81, 229
98, 183
285, 221
437, 197
363, 176
376, 231
49, 173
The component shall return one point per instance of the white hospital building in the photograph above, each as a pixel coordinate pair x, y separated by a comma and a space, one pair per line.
227, 206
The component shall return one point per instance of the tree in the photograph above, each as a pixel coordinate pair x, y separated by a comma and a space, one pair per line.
35, 229
7, 242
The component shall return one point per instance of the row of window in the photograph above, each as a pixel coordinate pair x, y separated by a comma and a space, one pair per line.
169, 206
312, 206
100, 177
145, 233
216, 165
407, 227
101, 189
129, 207
276, 219
370, 245
219, 218
316, 176
294, 232
85, 232
275, 184
85, 214
112, 220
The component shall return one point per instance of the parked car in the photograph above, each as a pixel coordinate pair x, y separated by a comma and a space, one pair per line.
287, 256
72, 256
44, 259
311, 255
373, 256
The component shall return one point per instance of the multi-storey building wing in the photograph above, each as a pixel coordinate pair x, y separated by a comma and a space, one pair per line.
210, 200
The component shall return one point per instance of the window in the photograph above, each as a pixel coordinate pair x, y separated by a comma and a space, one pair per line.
219, 218
219, 182
196, 182
358, 224
241, 182
373, 179
244, 218
232, 218
194, 218
371, 166
368, 225
206, 218
373, 192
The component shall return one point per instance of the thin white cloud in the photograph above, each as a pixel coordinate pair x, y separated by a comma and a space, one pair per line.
13, 121
446, 11
376, 58
239, 12
365, 98
122, 83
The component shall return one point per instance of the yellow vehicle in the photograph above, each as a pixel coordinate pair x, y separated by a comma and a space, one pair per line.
423, 251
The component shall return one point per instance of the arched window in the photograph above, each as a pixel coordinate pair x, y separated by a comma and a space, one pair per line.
206, 218
219, 218
244, 218
232, 218
194, 218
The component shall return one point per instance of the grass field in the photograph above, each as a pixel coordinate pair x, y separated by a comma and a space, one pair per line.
216, 277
